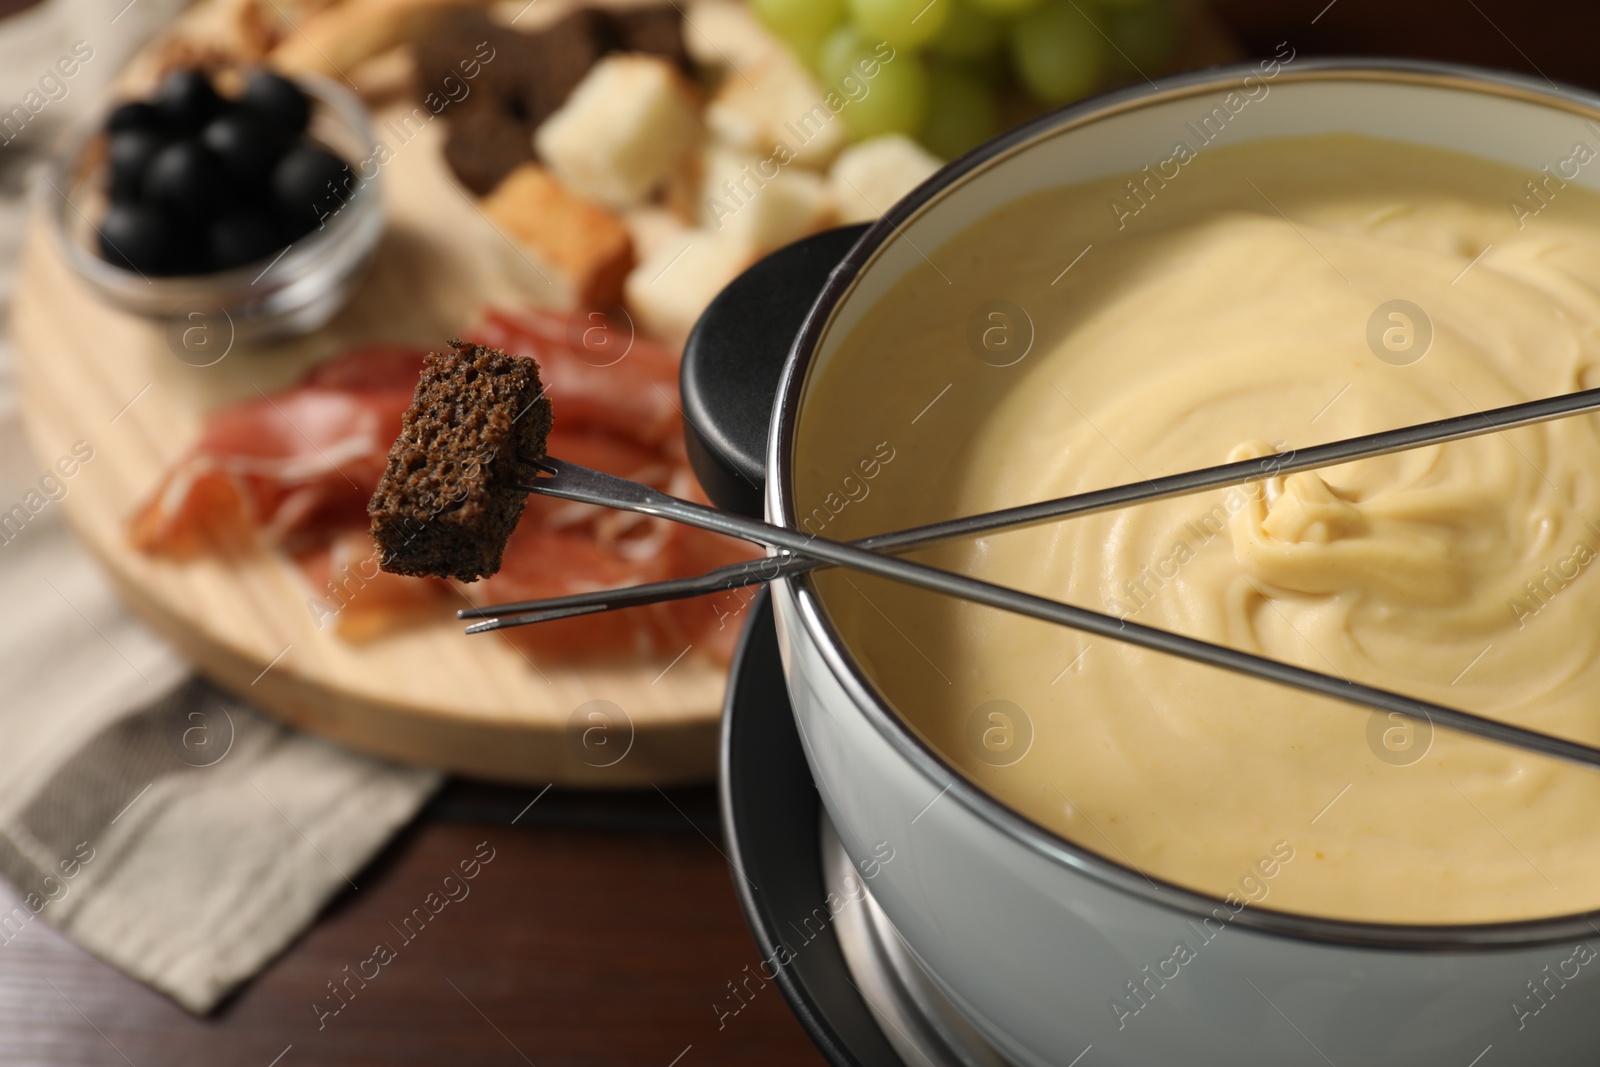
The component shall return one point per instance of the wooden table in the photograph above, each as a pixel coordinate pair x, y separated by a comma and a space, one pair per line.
602, 933
606, 927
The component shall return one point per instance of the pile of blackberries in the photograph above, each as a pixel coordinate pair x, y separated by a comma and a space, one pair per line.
199, 182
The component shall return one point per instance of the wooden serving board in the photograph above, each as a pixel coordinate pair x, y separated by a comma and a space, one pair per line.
427, 695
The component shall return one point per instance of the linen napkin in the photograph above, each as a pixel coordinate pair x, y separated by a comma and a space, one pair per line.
159, 822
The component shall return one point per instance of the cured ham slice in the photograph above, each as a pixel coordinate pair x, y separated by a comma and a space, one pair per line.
600, 376
293, 471
358, 600
285, 468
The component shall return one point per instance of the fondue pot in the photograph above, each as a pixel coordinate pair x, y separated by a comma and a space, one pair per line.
1052, 953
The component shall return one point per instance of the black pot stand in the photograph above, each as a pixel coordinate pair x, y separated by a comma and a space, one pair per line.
845, 973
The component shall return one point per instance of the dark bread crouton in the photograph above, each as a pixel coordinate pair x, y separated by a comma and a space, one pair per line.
485, 144
450, 497
655, 30
466, 58
557, 57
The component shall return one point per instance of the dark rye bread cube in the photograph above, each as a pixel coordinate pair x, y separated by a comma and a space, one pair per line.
655, 30
450, 497
558, 56
483, 145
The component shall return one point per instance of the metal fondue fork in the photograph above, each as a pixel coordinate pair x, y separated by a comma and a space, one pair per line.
568, 481
753, 572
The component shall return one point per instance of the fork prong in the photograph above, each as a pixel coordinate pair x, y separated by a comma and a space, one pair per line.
527, 618
730, 576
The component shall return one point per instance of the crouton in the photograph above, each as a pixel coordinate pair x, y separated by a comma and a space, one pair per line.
584, 241
623, 130
869, 177
726, 34
777, 103
669, 289
759, 205
451, 492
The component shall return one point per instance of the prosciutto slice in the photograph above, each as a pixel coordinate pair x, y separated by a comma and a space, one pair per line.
284, 468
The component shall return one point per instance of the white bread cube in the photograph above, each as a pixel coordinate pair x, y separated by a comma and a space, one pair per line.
726, 34
669, 288
623, 130
777, 102
588, 246
758, 205
651, 227
869, 177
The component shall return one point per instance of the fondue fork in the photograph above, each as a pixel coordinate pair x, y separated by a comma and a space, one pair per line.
753, 572
568, 481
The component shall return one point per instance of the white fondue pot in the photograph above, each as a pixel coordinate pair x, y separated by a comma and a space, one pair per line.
1036, 940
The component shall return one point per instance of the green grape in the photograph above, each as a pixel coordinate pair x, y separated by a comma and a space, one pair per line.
968, 32
995, 68
808, 49
839, 52
1119, 67
1146, 32
1058, 53
892, 101
962, 111
799, 21
886, 88
1005, 8
903, 23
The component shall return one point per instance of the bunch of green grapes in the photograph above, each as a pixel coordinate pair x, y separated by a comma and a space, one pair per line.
955, 62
